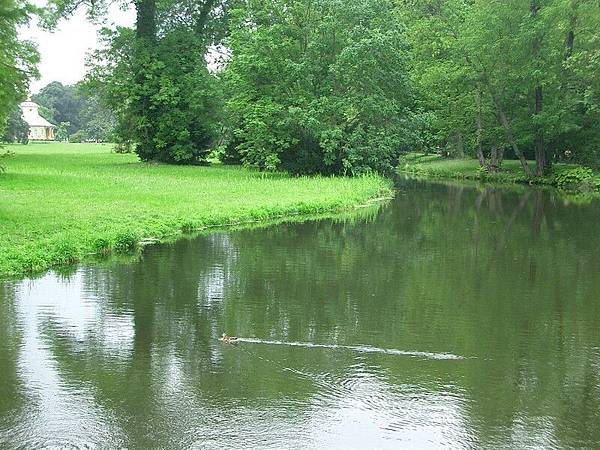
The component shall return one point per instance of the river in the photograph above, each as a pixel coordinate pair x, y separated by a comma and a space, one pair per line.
451, 316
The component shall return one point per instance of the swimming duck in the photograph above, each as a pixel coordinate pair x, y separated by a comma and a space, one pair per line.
227, 339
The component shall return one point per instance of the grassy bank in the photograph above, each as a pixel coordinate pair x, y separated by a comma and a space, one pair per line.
62, 202
564, 176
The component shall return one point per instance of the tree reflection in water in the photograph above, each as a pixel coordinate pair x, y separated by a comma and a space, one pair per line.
130, 354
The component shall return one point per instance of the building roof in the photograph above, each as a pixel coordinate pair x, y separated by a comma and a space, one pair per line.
32, 116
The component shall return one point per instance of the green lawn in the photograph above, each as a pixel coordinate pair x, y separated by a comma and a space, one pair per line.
435, 166
61, 202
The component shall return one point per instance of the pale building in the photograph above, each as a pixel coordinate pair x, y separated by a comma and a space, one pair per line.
39, 128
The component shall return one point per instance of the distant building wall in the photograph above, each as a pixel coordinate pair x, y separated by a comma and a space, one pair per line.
39, 128
41, 133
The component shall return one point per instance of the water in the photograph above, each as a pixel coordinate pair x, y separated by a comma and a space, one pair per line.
449, 317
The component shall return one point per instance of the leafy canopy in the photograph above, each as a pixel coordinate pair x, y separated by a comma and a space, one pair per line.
319, 86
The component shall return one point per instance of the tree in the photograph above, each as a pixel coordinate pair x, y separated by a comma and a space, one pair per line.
16, 129
168, 97
18, 58
97, 121
578, 93
61, 104
62, 131
319, 86
528, 99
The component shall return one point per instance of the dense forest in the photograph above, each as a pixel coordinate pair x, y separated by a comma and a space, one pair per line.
330, 86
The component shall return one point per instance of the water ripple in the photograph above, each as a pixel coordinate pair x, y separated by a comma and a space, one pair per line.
357, 348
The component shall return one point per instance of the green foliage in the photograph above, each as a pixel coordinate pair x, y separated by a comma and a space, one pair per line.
503, 53
318, 87
18, 58
79, 136
60, 104
186, 103
97, 122
180, 121
62, 131
17, 129
78, 107
577, 178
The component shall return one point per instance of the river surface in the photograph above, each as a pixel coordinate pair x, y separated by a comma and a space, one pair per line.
449, 317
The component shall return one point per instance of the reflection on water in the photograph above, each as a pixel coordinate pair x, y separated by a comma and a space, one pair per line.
452, 316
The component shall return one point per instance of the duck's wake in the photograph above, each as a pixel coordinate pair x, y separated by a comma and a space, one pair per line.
356, 348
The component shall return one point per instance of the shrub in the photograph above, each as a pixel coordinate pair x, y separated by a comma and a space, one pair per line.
79, 136
16, 129
577, 178
2, 156
101, 246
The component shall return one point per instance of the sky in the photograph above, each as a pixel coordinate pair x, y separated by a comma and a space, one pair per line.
63, 51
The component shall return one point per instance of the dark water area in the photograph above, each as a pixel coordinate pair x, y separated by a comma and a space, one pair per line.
451, 316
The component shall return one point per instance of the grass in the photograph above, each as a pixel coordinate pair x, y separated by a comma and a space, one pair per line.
438, 167
62, 202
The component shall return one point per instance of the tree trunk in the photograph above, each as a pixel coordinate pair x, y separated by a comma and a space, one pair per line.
145, 25
480, 155
511, 139
569, 42
494, 160
145, 31
570, 38
540, 150
460, 145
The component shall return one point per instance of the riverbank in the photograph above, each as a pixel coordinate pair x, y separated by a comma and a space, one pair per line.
568, 177
63, 202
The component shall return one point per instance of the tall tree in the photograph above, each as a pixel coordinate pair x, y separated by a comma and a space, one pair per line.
540, 150
18, 58
168, 97
61, 104
319, 86
523, 57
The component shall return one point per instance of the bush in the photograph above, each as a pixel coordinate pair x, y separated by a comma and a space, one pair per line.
79, 136
578, 178
123, 147
2, 156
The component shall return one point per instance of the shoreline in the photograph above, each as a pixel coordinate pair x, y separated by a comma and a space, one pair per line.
68, 203
570, 179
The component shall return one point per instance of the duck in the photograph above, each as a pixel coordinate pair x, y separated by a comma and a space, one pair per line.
228, 339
